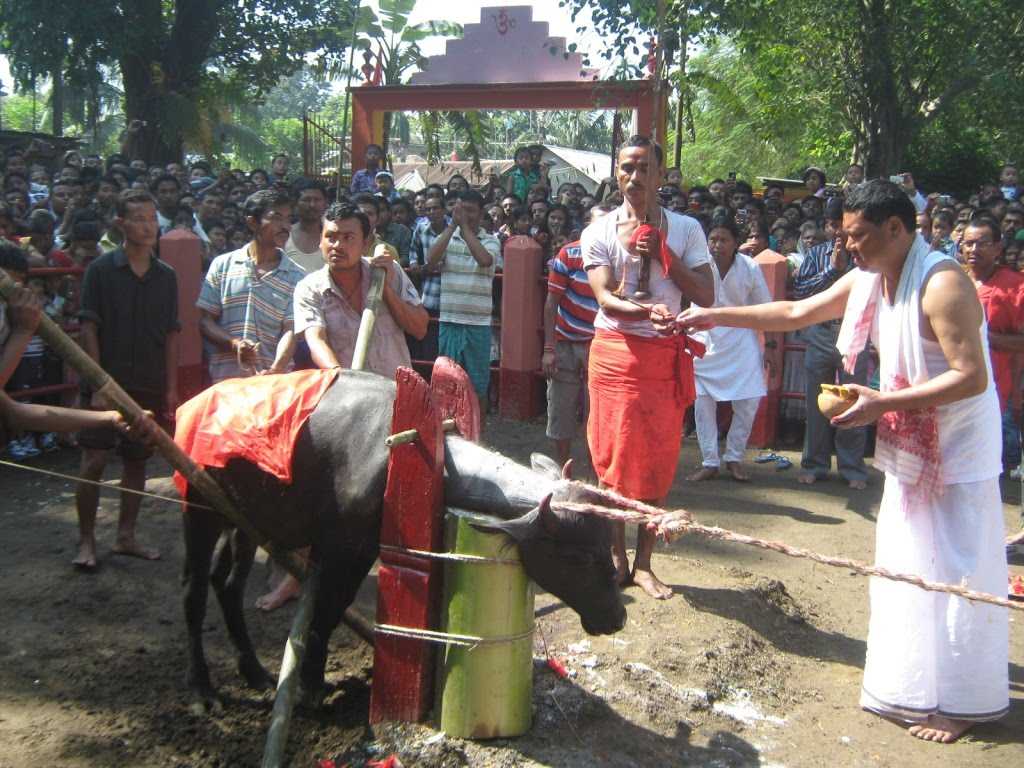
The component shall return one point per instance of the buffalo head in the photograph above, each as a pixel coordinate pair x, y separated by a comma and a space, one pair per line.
569, 555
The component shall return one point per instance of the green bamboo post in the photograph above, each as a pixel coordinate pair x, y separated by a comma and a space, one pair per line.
485, 691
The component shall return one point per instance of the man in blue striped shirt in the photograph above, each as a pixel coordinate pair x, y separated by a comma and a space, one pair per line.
246, 298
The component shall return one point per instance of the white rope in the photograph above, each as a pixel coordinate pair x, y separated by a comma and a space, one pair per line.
449, 638
108, 485
452, 556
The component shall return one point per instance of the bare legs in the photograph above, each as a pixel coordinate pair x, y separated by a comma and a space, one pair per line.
642, 575
87, 501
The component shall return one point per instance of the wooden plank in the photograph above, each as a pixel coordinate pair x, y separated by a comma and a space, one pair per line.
408, 587
454, 397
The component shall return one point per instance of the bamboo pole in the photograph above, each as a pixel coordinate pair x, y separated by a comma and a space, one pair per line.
294, 653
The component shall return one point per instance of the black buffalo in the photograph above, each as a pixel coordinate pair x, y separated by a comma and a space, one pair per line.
334, 506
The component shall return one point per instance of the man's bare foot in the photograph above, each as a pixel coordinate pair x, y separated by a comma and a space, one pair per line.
86, 559
287, 590
736, 470
132, 548
807, 478
940, 729
622, 575
650, 584
704, 473
857, 485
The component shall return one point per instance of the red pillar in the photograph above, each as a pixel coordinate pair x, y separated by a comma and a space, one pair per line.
520, 394
774, 268
183, 251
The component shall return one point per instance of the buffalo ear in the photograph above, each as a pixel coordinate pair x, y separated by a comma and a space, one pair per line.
545, 465
518, 529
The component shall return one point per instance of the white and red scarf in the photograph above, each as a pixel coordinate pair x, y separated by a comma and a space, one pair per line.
907, 442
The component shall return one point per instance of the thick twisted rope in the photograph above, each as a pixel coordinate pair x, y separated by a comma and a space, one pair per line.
670, 524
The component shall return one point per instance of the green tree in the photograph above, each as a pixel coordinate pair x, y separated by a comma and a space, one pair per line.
882, 71
175, 57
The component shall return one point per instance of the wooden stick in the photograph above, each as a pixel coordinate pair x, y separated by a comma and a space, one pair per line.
369, 319
288, 682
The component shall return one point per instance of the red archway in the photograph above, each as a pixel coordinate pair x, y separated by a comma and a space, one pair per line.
370, 103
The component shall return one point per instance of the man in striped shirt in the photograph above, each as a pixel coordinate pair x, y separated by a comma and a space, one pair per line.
246, 297
569, 312
467, 255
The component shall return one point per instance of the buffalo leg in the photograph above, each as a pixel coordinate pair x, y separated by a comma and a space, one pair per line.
201, 532
230, 592
340, 578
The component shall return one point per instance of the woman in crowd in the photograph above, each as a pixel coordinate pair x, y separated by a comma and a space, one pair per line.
731, 369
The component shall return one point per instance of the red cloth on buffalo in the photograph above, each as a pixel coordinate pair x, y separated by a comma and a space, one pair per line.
640, 389
256, 419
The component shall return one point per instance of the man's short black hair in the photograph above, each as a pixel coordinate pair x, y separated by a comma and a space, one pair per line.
109, 179
833, 209
472, 196
280, 154
12, 258
987, 220
263, 200
342, 211
204, 165
304, 185
165, 177
519, 212
879, 200
744, 187
514, 196
637, 140
131, 197
40, 222
402, 203
377, 146
365, 198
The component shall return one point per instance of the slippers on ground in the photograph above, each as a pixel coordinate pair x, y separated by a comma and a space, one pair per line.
782, 463
766, 456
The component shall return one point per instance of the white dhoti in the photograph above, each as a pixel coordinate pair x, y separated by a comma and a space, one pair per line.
930, 652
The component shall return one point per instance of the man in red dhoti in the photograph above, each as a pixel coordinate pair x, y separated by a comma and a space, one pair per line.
640, 380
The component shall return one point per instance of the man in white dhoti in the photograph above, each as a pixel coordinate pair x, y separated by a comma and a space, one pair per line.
933, 660
731, 369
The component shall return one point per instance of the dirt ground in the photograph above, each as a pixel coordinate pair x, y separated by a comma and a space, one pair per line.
756, 661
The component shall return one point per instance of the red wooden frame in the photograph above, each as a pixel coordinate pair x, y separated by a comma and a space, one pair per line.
370, 103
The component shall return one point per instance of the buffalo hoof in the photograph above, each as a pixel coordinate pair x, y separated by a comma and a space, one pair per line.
312, 697
205, 703
254, 674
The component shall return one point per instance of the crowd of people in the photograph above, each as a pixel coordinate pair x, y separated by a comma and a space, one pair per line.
654, 302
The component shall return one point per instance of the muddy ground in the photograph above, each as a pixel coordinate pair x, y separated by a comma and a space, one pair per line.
756, 661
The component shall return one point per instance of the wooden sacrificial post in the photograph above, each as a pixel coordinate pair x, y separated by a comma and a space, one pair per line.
409, 585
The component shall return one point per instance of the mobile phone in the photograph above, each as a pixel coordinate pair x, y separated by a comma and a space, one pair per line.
732, 175
741, 216
896, 179
945, 200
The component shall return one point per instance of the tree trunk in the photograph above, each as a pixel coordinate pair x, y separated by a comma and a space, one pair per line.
57, 99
